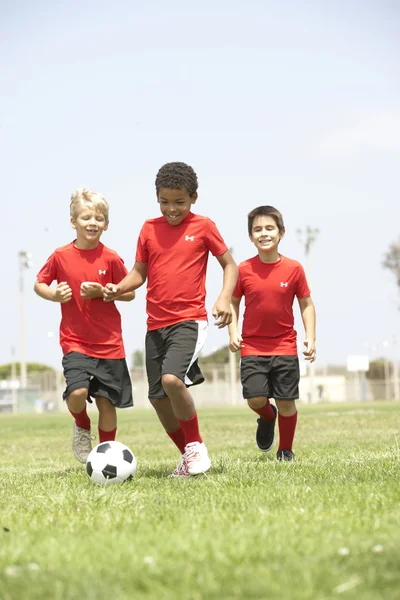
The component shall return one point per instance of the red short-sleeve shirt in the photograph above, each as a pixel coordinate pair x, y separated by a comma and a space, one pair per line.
269, 290
92, 327
177, 257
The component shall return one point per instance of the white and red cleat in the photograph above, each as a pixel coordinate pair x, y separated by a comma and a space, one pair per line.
196, 458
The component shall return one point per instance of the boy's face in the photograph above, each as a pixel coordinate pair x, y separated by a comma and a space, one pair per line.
89, 225
265, 234
175, 204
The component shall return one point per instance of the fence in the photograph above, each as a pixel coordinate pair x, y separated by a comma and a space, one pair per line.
44, 392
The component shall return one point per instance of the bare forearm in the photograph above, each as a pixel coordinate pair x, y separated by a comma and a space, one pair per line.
309, 321
127, 297
233, 325
229, 280
44, 291
130, 282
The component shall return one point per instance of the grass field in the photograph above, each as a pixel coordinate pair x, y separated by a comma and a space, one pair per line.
326, 526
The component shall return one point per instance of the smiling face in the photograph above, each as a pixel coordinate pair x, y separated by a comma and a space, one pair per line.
175, 204
89, 224
266, 236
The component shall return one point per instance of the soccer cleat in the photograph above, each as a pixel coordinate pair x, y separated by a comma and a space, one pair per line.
82, 443
285, 455
181, 470
196, 458
266, 432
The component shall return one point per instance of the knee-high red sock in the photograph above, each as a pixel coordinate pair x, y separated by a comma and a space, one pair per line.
81, 419
191, 429
107, 436
287, 428
266, 412
178, 437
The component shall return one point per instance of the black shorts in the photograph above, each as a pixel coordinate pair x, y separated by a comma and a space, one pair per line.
174, 350
270, 376
101, 376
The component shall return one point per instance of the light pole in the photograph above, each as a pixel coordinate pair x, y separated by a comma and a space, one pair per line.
24, 261
306, 238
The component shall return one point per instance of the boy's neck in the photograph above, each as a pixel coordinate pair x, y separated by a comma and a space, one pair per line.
269, 257
85, 246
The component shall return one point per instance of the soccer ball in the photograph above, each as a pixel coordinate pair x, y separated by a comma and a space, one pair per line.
110, 462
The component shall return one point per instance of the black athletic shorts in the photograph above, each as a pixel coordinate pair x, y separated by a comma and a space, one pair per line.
101, 376
174, 350
270, 376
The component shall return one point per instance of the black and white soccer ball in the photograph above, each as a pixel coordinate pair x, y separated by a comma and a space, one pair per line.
111, 462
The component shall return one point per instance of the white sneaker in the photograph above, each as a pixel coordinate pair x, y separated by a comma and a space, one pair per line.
82, 443
196, 458
181, 470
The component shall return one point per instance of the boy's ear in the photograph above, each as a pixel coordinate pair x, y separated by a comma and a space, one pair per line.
194, 197
282, 234
73, 224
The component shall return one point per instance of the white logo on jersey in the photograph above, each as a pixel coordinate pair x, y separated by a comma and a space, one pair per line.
284, 283
189, 238
102, 272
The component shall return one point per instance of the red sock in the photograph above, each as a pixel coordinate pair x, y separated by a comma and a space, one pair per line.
107, 436
178, 437
287, 427
81, 419
191, 430
266, 412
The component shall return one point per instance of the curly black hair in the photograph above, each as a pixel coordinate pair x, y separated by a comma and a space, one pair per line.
177, 175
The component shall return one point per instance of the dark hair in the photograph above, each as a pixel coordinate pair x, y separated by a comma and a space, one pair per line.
265, 211
177, 175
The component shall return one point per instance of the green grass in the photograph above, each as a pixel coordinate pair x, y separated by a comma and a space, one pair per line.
326, 526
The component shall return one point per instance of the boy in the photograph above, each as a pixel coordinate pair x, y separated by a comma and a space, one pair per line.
172, 253
90, 330
269, 366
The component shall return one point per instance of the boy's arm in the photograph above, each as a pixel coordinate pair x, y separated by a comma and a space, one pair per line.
222, 309
235, 339
308, 316
62, 293
93, 289
135, 278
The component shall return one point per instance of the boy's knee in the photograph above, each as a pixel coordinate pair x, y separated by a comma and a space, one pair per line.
258, 402
286, 408
171, 381
77, 395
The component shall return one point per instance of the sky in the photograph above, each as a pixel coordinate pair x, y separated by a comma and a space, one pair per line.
291, 104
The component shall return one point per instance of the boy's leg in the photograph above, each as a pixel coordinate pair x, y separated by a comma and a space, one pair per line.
254, 374
107, 419
168, 420
77, 368
183, 343
285, 377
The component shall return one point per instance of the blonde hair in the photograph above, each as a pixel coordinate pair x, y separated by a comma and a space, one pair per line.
90, 199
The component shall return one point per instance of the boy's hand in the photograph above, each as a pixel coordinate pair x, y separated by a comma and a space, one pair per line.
110, 292
62, 293
235, 342
222, 311
91, 289
310, 352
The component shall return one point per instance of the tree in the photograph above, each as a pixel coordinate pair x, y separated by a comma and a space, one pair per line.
392, 260
137, 359
6, 370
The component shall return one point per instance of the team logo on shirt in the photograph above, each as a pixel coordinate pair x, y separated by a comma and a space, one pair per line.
284, 283
102, 272
189, 238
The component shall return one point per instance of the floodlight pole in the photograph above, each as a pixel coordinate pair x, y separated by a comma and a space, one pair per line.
306, 238
24, 260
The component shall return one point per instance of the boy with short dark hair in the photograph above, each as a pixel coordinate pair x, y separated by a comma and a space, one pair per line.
269, 368
172, 254
90, 330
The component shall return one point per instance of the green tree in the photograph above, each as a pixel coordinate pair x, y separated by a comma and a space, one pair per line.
6, 370
137, 359
392, 260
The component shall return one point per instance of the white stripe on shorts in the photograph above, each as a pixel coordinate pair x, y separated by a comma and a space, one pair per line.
202, 329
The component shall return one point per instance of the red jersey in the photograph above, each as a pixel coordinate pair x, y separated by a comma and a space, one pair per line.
92, 327
177, 258
269, 290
